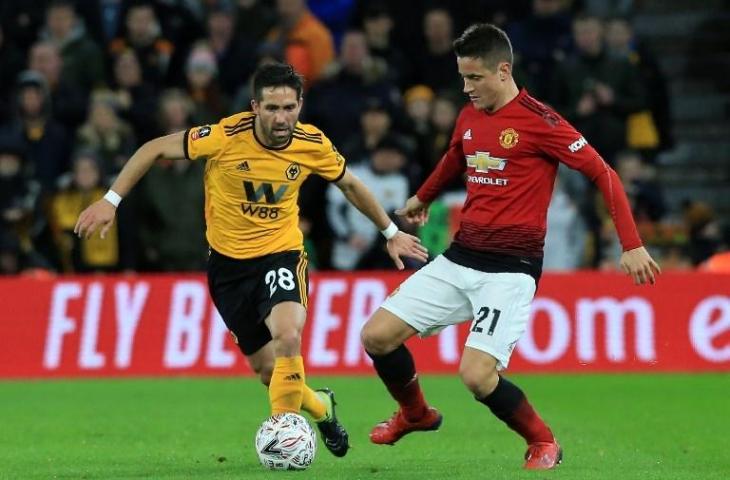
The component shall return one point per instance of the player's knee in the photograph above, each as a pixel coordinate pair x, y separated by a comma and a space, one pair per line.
374, 341
480, 381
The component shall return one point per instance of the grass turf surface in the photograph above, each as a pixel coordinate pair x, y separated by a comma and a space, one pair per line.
611, 427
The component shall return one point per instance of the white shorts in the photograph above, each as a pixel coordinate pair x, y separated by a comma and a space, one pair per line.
444, 293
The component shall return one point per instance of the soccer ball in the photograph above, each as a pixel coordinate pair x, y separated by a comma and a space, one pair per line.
286, 441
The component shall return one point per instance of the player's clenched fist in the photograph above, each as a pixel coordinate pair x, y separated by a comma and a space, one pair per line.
415, 211
98, 214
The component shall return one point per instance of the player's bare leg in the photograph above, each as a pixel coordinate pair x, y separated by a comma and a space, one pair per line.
507, 402
383, 336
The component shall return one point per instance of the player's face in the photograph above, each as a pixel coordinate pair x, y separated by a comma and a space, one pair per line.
482, 84
277, 114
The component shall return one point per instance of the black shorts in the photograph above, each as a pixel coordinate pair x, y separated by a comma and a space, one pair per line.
245, 291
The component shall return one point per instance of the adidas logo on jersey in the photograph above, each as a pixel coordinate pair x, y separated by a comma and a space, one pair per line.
243, 166
293, 376
467, 135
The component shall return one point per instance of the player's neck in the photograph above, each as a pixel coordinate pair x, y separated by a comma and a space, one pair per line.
507, 95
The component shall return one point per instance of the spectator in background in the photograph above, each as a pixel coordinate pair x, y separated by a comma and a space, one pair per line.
83, 64
17, 194
418, 103
11, 262
642, 188
68, 100
144, 36
83, 187
651, 130
565, 238
11, 63
541, 41
307, 42
375, 124
136, 99
254, 19
443, 119
22, 20
106, 134
235, 56
175, 111
434, 66
201, 73
358, 243
337, 103
378, 26
595, 91
45, 141
703, 228
173, 240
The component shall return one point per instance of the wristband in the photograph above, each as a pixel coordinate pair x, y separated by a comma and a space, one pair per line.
112, 197
390, 231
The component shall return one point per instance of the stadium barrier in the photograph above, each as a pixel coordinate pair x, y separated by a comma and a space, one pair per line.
144, 325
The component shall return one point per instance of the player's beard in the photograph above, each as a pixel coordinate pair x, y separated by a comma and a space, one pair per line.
279, 135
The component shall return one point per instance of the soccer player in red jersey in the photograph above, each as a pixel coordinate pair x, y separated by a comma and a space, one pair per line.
508, 145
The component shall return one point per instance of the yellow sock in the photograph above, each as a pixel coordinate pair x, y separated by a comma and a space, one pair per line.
287, 384
313, 405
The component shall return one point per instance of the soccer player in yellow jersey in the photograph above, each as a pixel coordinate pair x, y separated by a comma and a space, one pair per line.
257, 269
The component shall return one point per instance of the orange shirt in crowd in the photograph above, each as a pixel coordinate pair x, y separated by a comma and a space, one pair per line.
309, 46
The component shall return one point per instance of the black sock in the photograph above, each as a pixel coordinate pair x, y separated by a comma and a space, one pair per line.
396, 366
504, 400
398, 372
508, 403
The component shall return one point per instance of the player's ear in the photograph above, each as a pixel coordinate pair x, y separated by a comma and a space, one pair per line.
505, 70
254, 106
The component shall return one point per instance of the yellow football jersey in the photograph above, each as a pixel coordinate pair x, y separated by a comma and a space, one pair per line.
251, 190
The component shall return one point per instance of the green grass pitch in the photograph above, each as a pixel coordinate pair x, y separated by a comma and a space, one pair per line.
614, 427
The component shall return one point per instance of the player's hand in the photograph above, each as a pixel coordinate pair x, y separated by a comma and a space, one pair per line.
639, 264
403, 244
415, 211
99, 214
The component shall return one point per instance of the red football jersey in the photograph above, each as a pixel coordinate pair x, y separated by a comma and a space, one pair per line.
510, 158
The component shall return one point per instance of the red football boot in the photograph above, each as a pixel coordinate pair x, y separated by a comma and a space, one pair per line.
391, 430
543, 456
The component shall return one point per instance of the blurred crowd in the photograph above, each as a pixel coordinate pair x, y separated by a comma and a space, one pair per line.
83, 84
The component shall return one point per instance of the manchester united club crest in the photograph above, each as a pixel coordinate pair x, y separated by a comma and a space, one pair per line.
509, 138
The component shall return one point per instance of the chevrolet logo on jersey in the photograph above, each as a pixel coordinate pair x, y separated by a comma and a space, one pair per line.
483, 162
266, 190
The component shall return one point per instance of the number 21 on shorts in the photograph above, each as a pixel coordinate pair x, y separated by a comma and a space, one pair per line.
282, 277
483, 314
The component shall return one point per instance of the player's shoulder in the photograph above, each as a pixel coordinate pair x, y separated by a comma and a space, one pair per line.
310, 137
307, 129
538, 112
237, 120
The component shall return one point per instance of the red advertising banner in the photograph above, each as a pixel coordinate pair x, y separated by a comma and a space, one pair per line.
166, 325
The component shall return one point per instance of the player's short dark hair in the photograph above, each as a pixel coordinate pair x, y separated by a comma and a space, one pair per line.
276, 75
485, 41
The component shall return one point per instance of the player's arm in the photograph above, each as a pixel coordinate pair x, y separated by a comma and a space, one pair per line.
399, 243
101, 213
566, 144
